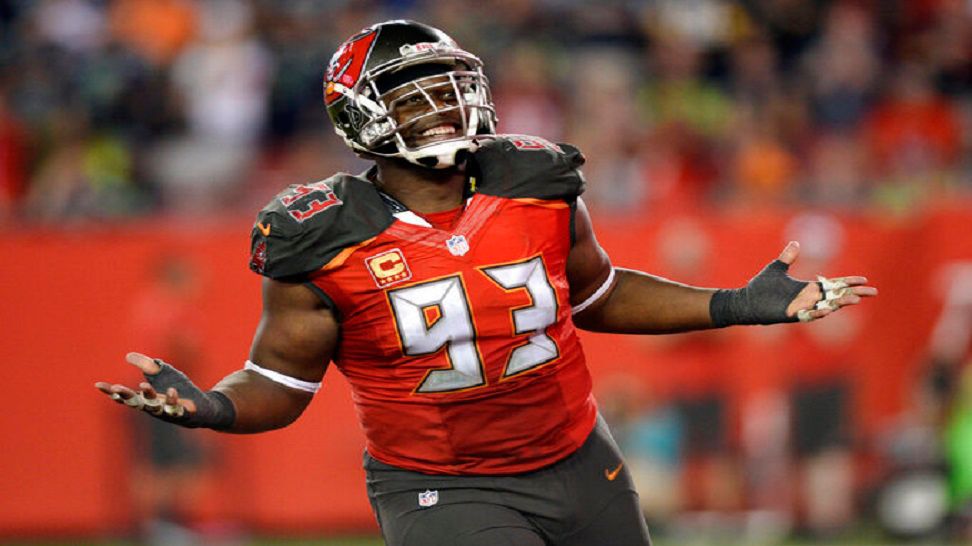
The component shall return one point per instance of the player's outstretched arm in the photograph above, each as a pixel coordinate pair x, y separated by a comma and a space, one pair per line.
292, 346
772, 296
607, 299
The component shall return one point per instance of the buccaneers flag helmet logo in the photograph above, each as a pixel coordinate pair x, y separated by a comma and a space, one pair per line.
346, 64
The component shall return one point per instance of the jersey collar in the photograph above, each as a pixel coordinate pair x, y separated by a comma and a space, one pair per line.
396, 208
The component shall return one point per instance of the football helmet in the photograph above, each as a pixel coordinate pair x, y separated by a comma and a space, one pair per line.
404, 89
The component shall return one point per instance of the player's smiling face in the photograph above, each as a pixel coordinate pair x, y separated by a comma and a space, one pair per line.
428, 110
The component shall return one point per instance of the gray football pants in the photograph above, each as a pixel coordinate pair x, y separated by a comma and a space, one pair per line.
587, 499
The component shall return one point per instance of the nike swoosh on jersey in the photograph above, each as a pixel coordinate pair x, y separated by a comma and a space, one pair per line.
612, 474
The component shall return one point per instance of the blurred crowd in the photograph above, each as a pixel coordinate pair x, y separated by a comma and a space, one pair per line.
121, 108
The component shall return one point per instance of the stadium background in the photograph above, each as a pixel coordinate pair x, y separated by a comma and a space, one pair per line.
138, 138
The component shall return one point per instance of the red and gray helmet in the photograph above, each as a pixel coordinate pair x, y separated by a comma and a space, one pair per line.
395, 61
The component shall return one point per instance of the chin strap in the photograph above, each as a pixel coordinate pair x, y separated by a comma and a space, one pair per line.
441, 155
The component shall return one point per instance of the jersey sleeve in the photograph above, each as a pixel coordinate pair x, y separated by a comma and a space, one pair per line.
306, 226
520, 166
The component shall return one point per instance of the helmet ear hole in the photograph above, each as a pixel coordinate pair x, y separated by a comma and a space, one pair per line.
343, 118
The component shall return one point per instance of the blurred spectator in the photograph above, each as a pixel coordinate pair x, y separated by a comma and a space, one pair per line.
526, 100
836, 176
687, 113
171, 466
792, 24
83, 176
299, 49
763, 169
950, 48
706, 23
821, 398
678, 93
926, 490
950, 377
649, 433
223, 76
754, 77
156, 29
915, 126
74, 25
603, 125
223, 81
842, 67
764, 448
958, 447
13, 159
914, 136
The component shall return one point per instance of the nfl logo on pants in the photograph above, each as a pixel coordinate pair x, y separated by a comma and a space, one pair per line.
428, 498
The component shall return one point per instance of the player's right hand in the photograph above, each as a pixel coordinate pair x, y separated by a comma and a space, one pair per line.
145, 398
170, 396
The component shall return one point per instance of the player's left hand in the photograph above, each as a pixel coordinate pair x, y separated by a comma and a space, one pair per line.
826, 295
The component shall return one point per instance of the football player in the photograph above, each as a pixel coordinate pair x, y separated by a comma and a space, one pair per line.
447, 283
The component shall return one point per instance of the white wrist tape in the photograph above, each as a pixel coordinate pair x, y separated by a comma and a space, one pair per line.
596, 295
285, 380
135, 402
830, 290
177, 410
154, 405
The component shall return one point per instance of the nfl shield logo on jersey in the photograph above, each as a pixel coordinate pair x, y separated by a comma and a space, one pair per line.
428, 498
458, 245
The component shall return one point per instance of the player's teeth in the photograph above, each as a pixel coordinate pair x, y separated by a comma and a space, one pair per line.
440, 130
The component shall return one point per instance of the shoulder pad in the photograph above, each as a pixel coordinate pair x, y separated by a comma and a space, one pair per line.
305, 226
527, 166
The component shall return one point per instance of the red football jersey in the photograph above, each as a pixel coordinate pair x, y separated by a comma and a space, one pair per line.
459, 345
